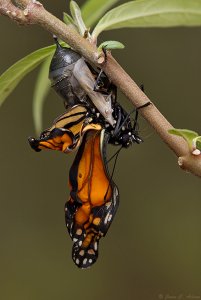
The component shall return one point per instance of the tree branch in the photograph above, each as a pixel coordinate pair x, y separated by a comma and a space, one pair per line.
32, 12
7, 8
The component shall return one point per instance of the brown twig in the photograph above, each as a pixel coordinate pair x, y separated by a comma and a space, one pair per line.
33, 12
7, 8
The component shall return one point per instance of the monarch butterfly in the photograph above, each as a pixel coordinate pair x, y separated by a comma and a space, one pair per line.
93, 119
93, 195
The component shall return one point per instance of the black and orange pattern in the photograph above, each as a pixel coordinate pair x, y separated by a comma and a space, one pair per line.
93, 119
64, 134
94, 197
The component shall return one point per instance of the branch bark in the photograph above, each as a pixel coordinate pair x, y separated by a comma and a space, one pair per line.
32, 12
7, 8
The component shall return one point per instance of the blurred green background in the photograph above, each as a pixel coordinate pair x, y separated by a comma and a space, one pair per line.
153, 248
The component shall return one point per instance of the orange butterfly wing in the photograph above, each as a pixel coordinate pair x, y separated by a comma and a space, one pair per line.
93, 200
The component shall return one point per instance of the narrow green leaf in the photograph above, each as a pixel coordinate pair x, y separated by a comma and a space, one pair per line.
77, 17
41, 91
188, 135
151, 13
197, 141
92, 10
67, 19
11, 77
109, 45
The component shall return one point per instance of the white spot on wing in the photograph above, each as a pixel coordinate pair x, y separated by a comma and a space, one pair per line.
95, 246
108, 204
106, 218
110, 217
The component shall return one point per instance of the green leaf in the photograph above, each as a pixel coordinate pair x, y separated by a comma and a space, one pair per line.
109, 45
151, 13
198, 142
92, 10
188, 135
68, 20
41, 90
77, 17
11, 77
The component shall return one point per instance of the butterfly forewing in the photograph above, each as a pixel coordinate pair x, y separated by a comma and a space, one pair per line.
64, 134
